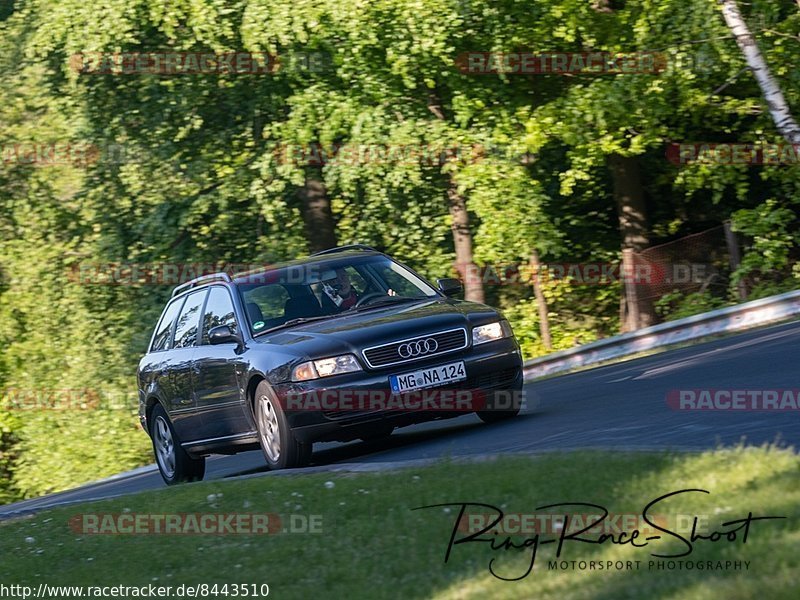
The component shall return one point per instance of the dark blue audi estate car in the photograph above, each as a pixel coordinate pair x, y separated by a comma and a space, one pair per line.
345, 344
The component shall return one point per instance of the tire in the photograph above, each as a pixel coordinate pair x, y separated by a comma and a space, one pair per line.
493, 415
281, 449
174, 463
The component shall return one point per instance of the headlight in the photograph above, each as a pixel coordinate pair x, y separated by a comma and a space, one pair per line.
325, 367
490, 332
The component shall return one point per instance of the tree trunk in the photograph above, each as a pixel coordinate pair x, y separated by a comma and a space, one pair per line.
462, 236
633, 226
773, 95
541, 302
462, 240
315, 206
633, 317
629, 195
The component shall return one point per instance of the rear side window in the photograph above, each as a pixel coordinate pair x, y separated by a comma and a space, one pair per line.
189, 321
161, 338
219, 311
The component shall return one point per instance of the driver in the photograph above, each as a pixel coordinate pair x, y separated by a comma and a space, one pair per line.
341, 291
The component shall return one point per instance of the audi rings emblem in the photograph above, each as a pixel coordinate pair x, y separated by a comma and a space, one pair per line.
418, 348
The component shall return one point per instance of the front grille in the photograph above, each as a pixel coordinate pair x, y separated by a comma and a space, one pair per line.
390, 354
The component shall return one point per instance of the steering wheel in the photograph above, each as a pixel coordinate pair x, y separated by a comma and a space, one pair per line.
367, 297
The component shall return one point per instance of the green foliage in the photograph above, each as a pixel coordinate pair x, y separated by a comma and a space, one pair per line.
62, 448
9, 431
766, 266
524, 320
200, 174
677, 305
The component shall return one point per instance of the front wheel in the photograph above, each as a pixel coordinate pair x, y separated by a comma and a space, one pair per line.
281, 449
495, 416
500, 407
174, 463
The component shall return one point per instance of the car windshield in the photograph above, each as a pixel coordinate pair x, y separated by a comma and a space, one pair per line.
320, 290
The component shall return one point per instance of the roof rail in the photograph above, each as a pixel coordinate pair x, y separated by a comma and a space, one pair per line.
343, 248
202, 280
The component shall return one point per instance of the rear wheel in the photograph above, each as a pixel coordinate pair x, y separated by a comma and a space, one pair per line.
174, 463
281, 449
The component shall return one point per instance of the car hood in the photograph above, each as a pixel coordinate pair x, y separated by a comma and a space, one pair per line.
353, 332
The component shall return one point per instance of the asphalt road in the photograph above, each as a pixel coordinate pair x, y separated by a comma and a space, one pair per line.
620, 406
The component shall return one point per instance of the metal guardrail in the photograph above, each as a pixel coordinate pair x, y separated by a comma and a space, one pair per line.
732, 318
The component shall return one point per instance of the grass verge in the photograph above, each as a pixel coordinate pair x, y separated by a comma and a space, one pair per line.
372, 544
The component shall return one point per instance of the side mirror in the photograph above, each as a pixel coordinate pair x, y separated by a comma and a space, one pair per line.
222, 334
450, 287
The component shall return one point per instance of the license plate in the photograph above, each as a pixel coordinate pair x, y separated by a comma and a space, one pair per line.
425, 378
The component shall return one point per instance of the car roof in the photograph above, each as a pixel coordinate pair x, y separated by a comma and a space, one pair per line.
313, 259
257, 275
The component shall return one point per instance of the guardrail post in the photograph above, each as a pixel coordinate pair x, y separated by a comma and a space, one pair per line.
733, 254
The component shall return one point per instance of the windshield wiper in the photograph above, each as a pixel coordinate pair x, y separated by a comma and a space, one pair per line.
389, 300
291, 322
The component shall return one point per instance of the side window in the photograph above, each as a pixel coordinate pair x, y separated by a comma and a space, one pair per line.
219, 311
164, 327
265, 302
189, 321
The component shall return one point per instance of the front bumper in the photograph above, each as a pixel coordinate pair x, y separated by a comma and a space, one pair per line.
492, 368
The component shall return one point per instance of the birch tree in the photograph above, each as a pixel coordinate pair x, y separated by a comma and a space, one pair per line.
773, 96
